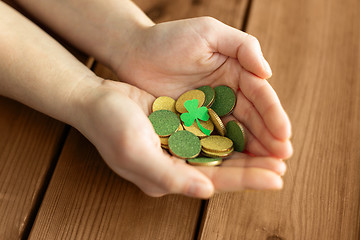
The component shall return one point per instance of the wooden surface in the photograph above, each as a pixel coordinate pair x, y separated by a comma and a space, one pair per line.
314, 50
30, 143
86, 200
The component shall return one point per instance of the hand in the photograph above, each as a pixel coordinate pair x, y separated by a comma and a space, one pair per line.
171, 58
112, 115
116, 122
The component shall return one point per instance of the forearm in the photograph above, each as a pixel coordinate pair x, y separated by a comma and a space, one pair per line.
94, 26
37, 71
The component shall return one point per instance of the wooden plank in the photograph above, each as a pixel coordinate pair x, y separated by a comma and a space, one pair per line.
29, 145
313, 47
230, 12
86, 200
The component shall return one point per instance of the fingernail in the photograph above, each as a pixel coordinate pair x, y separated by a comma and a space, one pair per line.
282, 169
200, 190
267, 67
279, 183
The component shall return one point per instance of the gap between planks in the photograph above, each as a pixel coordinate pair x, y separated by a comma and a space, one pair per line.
205, 203
90, 63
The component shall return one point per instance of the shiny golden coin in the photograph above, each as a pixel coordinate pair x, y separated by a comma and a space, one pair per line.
194, 128
164, 140
217, 154
204, 161
189, 95
216, 143
164, 103
165, 146
181, 127
219, 125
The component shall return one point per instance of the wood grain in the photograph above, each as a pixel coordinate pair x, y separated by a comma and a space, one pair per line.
86, 200
313, 47
29, 145
230, 11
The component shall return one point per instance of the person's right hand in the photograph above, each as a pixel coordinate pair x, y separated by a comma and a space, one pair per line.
115, 120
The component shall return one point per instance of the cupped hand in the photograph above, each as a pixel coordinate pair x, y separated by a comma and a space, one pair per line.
116, 122
173, 57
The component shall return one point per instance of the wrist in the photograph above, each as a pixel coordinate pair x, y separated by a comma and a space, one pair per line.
104, 100
80, 101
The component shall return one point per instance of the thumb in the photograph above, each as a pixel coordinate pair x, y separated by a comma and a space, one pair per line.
234, 43
171, 175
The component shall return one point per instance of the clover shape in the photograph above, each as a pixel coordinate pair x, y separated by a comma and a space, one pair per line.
194, 114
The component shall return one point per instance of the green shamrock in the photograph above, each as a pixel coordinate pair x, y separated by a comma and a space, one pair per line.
195, 113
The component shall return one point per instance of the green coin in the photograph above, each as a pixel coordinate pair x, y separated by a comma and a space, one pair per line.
225, 100
209, 95
184, 144
204, 161
235, 131
165, 122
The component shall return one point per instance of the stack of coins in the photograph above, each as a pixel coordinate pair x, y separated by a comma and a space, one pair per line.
190, 142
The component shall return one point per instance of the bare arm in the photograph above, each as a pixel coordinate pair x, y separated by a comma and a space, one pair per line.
96, 27
38, 71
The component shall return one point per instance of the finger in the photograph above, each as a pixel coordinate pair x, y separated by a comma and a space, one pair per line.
253, 145
245, 161
267, 103
169, 175
229, 179
248, 115
237, 44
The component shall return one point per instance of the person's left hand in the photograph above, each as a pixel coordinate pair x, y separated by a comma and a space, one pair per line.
171, 58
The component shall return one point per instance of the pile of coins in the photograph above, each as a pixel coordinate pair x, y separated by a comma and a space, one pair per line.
191, 127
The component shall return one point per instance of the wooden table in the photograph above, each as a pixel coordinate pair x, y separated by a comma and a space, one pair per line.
54, 185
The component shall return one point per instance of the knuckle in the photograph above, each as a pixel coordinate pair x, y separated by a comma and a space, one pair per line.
154, 194
208, 19
258, 92
207, 24
253, 39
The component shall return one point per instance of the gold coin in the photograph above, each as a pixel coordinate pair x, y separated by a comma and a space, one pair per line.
208, 163
189, 95
216, 143
194, 128
164, 103
165, 146
164, 140
219, 125
217, 154
181, 127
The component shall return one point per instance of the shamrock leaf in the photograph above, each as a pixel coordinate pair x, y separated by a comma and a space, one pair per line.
187, 118
202, 114
194, 114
